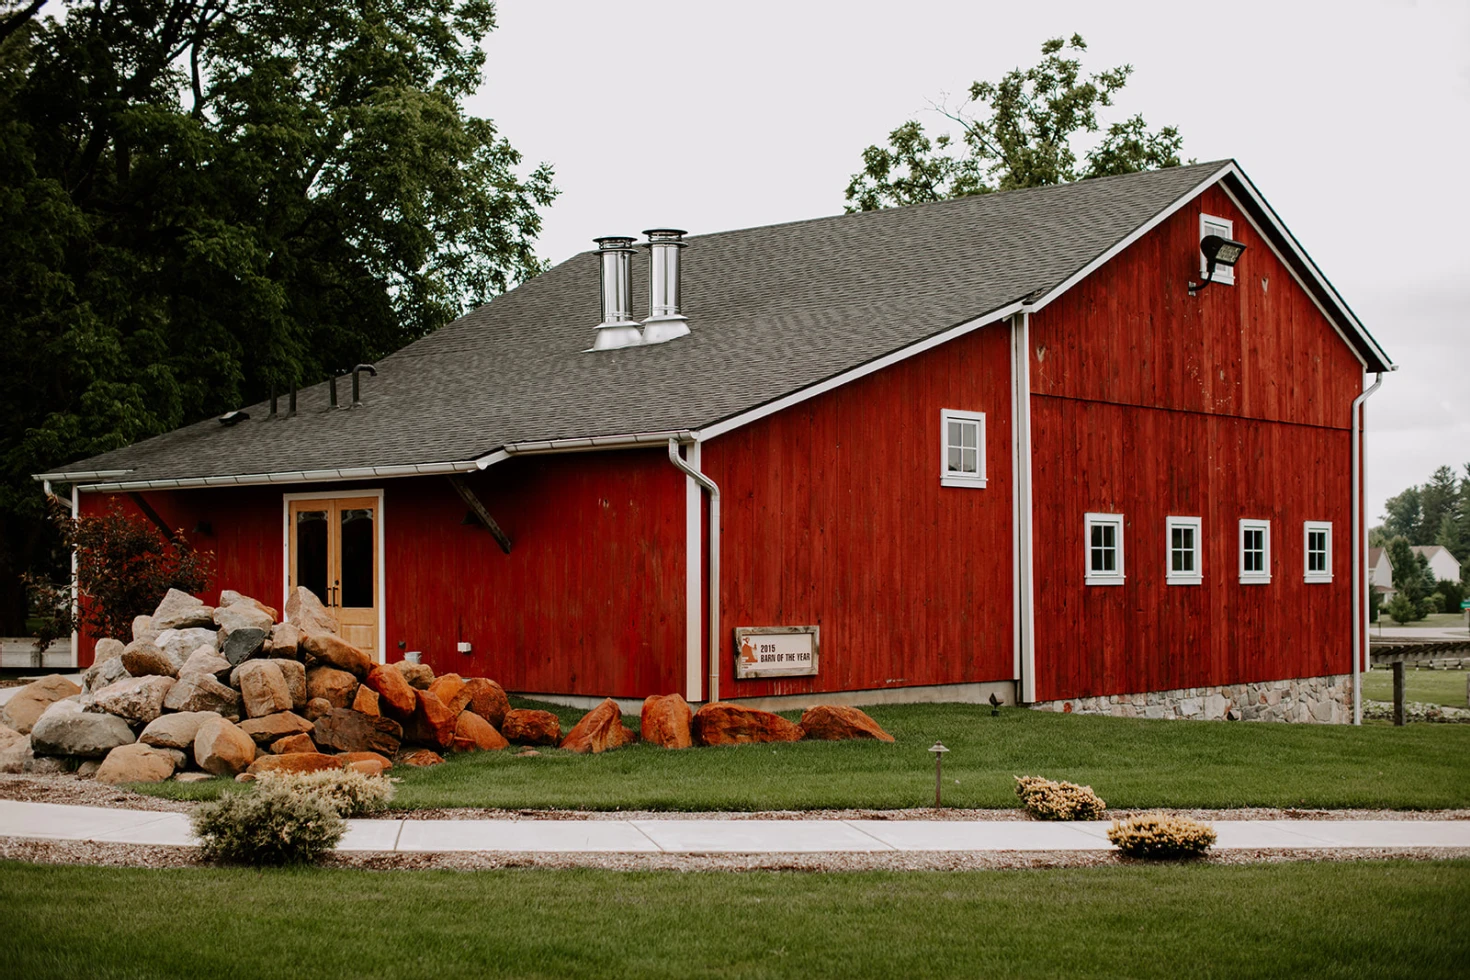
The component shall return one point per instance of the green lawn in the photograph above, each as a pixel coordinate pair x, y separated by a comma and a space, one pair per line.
1376, 919
1444, 620
1130, 762
1429, 686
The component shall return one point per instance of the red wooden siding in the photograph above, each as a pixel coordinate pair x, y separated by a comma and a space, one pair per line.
833, 514
1248, 389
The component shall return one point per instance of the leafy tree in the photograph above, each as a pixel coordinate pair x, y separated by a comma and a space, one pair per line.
1403, 513
1018, 132
1403, 610
1411, 575
1437, 501
202, 199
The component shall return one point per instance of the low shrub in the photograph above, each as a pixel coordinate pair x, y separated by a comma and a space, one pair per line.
1158, 835
272, 824
1048, 800
348, 793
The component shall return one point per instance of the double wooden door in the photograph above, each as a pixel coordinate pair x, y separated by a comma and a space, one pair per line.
334, 553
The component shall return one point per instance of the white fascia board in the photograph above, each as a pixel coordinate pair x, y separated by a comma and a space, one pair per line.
78, 476
582, 444
294, 476
862, 370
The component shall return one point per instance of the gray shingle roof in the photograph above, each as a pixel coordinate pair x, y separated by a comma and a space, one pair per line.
773, 310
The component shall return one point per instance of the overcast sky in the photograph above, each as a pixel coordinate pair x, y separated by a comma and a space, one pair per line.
1350, 117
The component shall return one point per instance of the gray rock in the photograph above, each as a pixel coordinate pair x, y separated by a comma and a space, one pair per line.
30, 702
89, 768
137, 700
143, 628
100, 675
145, 659
285, 639
295, 673
178, 644
206, 660
175, 730
242, 616
180, 610
192, 777
65, 729
201, 692
107, 649
263, 687
47, 765
242, 643
306, 612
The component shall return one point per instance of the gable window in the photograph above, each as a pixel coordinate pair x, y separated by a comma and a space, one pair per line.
1224, 227
1317, 537
962, 448
1255, 552
1184, 558
1104, 549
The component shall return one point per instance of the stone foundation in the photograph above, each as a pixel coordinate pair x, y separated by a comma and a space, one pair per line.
1324, 700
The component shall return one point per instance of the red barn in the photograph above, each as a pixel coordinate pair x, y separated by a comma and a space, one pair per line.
996, 445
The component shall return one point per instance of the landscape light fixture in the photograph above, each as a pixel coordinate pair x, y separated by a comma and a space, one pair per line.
1217, 251
233, 418
938, 749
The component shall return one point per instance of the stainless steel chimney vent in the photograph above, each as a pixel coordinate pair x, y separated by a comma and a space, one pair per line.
665, 320
618, 328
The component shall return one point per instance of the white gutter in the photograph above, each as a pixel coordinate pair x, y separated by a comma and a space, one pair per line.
580, 444
713, 692
1360, 559
80, 476
297, 476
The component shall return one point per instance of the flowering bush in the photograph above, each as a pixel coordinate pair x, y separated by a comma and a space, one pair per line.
1048, 800
1158, 835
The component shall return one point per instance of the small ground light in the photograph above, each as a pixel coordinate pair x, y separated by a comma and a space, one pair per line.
938, 749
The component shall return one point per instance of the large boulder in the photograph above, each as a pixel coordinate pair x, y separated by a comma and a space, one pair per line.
487, 699
144, 659
180, 610
431, 724
396, 696
201, 692
175, 730
295, 762
100, 675
229, 597
599, 730
451, 690
526, 726
30, 702
835, 722
419, 676
242, 616
666, 721
306, 612
262, 687
206, 660
242, 643
269, 729
107, 649
178, 644
352, 731
222, 748
332, 650
336, 686
295, 673
15, 750
138, 700
474, 734
136, 763
143, 628
285, 639
720, 723
65, 729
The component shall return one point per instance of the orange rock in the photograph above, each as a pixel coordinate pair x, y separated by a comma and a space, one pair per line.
731, 724
833, 722
431, 722
368, 767
337, 686
380, 759
488, 700
293, 743
366, 701
450, 688
599, 730
527, 727
421, 757
666, 720
396, 695
474, 734
332, 650
294, 762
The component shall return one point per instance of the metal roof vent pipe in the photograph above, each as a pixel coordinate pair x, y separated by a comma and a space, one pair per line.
665, 322
618, 328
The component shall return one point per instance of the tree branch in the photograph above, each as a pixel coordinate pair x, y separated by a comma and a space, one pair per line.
19, 19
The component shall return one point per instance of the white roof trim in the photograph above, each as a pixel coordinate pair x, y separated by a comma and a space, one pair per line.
298, 476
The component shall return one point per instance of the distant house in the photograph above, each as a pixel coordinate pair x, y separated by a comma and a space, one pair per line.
1380, 569
1442, 565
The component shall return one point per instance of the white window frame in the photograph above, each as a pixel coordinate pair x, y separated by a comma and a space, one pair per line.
1115, 576
1308, 529
1262, 577
1195, 577
1224, 274
951, 479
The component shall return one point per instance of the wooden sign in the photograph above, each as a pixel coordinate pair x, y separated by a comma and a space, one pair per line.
775, 651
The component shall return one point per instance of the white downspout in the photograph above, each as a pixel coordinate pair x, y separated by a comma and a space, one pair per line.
1360, 558
1023, 603
713, 692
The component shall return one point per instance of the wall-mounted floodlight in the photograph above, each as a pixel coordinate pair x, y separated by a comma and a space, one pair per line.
1217, 251
233, 418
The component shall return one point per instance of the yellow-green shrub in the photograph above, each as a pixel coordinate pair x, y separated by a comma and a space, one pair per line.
271, 824
1048, 800
1158, 835
346, 791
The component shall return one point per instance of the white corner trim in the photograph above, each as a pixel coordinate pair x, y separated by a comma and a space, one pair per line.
379, 573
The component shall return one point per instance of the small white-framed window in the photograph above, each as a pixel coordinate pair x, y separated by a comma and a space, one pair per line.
1183, 562
962, 448
1225, 228
1104, 549
1317, 544
1255, 552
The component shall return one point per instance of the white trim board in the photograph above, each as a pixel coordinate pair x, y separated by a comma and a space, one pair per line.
379, 573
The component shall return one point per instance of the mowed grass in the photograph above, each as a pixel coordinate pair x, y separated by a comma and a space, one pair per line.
1372, 919
1130, 762
1429, 686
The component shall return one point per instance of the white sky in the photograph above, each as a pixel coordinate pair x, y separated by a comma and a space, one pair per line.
1350, 117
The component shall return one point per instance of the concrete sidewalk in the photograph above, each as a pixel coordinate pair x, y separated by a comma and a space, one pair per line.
50, 821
